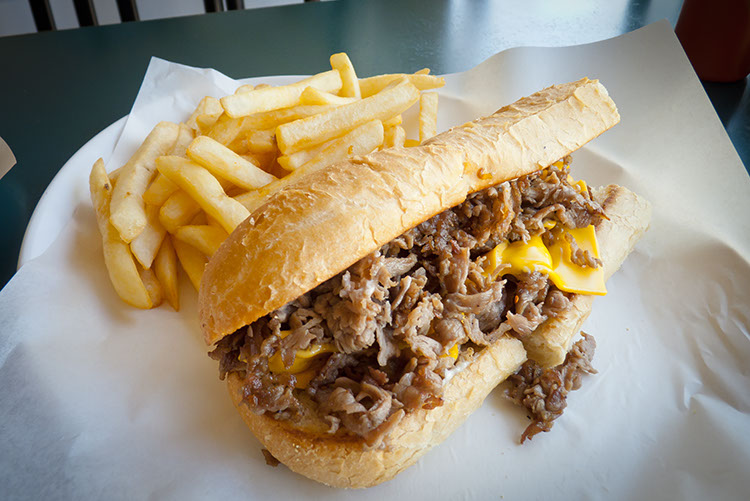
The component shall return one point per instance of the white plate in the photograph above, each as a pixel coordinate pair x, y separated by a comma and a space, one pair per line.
68, 188
70, 185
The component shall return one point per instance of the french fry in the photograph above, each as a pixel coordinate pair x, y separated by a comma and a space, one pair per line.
275, 169
372, 85
224, 163
244, 88
207, 220
121, 267
294, 136
205, 238
301, 157
393, 121
192, 261
161, 188
410, 143
349, 81
261, 141
208, 106
254, 199
145, 246
202, 218
226, 129
152, 286
423, 71
394, 137
234, 190
178, 210
128, 213
313, 96
165, 267
206, 122
262, 160
114, 175
428, 107
272, 98
274, 118
184, 138
360, 141
204, 189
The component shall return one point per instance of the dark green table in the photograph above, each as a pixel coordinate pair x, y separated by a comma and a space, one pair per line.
60, 89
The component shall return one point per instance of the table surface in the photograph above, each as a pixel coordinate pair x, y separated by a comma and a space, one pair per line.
59, 89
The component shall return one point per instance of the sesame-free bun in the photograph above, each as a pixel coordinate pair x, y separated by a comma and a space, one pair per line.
328, 220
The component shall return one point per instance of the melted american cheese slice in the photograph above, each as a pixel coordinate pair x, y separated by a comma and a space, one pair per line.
518, 257
303, 360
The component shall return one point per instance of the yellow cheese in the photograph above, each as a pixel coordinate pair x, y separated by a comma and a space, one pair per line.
519, 257
303, 378
303, 359
453, 352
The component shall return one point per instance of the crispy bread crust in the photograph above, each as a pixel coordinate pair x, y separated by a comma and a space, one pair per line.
313, 229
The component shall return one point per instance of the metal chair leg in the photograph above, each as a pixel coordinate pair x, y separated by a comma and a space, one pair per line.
85, 13
128, 10
213, 5
42, 15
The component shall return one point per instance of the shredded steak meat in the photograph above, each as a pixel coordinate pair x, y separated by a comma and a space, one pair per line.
270, 460
544, 391
394, 316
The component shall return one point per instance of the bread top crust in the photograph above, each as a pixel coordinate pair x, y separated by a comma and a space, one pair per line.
314, 229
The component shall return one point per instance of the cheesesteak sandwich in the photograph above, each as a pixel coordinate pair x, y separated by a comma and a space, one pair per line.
364, 312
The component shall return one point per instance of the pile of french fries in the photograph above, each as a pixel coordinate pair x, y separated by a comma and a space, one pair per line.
190, 184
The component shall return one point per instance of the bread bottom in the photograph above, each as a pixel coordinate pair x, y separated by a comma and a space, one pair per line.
345, 461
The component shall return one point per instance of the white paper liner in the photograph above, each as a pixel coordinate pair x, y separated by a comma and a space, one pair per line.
99, 400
